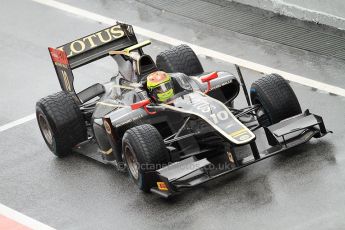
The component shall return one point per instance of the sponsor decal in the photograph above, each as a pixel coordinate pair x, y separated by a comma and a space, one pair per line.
107, 127
66, 81
244, 137
162, 186
220, 85
129, 120
92, 41
58, 56
109, 151
231, 158
238, 132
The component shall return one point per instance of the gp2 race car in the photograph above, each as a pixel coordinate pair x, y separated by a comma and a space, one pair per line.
167, 147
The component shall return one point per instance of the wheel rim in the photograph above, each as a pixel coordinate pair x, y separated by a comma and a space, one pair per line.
132, 162
46, 130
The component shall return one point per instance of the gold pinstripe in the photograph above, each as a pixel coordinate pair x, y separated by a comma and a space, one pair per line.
107, 152
238, 132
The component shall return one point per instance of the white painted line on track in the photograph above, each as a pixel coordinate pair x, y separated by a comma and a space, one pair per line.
22, 219
198, 49
17, 122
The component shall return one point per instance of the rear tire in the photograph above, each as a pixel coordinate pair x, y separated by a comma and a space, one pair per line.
276, 97
144, 151
179, 59
61, 123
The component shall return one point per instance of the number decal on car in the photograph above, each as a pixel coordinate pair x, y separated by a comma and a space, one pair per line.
205, 107
219, 116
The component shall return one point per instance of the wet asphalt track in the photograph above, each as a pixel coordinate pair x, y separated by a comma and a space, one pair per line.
301, 189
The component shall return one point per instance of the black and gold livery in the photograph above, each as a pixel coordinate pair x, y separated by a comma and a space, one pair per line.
192, 138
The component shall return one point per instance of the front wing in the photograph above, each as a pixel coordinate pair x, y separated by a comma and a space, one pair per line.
191, 172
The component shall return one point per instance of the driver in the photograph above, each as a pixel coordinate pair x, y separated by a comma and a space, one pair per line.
160, 86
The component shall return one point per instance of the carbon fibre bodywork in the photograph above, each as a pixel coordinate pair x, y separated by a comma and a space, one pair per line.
191, 102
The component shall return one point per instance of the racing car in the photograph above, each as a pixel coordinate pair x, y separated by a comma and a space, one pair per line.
168, 123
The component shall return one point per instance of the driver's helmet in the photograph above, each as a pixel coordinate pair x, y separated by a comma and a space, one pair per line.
160, 85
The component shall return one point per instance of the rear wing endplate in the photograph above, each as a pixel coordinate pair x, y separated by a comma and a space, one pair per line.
63, 70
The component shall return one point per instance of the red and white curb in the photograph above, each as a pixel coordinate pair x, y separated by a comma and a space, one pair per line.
13, 220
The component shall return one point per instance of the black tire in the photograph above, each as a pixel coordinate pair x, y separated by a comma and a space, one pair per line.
144, 151
277, 98
59, 115
179, 59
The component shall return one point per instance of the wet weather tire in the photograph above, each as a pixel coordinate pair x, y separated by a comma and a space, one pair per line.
277, 98
144, 152
61, 122
179, 59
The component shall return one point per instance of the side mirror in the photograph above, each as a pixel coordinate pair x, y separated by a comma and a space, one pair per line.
142, 104
208, 79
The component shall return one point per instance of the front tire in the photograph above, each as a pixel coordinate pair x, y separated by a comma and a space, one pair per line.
277, 99
144, 152
61, 122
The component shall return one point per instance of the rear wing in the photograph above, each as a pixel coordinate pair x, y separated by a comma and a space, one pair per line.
97, 45
88, 49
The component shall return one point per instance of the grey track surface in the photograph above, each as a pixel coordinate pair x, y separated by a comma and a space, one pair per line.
301, 189
249, 23
330, 13
297, 61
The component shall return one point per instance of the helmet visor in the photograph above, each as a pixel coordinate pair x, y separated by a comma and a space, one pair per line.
162, 88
